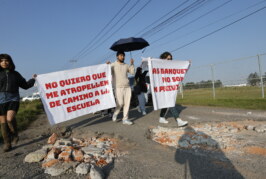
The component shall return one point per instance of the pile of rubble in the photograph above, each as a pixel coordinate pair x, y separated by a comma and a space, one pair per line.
221, 137
84, 156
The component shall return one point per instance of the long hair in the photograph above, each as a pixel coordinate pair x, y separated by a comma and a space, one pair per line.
11, 63
138, 73
165, 55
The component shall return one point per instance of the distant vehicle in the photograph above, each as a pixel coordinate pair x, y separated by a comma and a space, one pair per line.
31, 98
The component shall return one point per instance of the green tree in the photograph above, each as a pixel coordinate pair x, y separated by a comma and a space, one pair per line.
253, 79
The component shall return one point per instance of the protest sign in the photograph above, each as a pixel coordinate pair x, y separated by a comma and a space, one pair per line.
165, 77
73, 93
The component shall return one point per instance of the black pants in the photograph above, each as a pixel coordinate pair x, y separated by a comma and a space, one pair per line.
173, 110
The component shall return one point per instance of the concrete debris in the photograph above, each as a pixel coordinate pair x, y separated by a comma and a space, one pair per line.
60, 168
96, 172
83, 168
83, 156
210, 137
52, 138
36, 156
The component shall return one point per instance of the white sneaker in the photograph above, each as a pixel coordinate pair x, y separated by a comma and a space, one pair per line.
114, 118
163, 120
138, 108
144, 113
181, 123
127, 122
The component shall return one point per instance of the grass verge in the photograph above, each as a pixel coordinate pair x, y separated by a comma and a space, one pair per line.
235, 97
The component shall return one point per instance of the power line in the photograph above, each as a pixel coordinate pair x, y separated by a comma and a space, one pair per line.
219, 29
194, 20
226, 17
110, 29
120, 27
170, 19
104, 28
156, 21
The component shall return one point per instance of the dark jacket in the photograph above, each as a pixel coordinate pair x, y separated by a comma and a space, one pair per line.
12, 80
140, 80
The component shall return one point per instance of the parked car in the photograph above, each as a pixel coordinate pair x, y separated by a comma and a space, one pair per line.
31, 98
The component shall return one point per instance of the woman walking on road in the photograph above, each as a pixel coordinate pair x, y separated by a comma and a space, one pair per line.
173, 110
10, 81
142, 88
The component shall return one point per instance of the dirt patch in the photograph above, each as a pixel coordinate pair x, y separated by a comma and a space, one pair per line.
255, 150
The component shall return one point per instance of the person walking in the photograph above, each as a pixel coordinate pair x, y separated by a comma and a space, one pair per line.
173, 110
121, 85
10, 81
141, 89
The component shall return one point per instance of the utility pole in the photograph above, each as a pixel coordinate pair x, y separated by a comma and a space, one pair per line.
213, 83
261, 78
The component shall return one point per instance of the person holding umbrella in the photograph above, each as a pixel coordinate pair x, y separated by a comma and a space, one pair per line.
121, 85
173, 110
10, 81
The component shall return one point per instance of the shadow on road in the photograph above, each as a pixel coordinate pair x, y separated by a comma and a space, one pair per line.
31, 142
198, 164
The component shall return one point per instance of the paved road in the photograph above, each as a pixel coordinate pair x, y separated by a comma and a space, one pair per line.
146, 159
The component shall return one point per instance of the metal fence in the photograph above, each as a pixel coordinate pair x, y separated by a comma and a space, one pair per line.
231, 73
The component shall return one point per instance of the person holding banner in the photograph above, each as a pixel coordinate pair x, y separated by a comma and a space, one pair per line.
173, 110
122, 88
10, 81
142, 88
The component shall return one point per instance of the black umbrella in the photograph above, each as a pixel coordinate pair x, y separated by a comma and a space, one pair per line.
129, 44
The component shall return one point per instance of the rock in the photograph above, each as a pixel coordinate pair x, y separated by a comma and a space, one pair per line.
88, 158
260, 129
59, 168
83, 168
78, 155
53, 153
47, 147
212, 143
183, 144
100, 145
50, 163
250, 127
65, 156
92, 150
63, 142
234, 130
35, 156
52, 138
96, 172
192, 142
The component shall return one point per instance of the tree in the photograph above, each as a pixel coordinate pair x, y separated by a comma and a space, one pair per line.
253, 79
264, 78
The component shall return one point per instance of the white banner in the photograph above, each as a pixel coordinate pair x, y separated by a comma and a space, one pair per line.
73, 93
165, 76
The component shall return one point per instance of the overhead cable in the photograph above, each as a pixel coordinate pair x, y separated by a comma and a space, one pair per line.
219, 29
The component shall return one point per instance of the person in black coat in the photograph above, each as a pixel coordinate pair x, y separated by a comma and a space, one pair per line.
10, 81
140, 89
